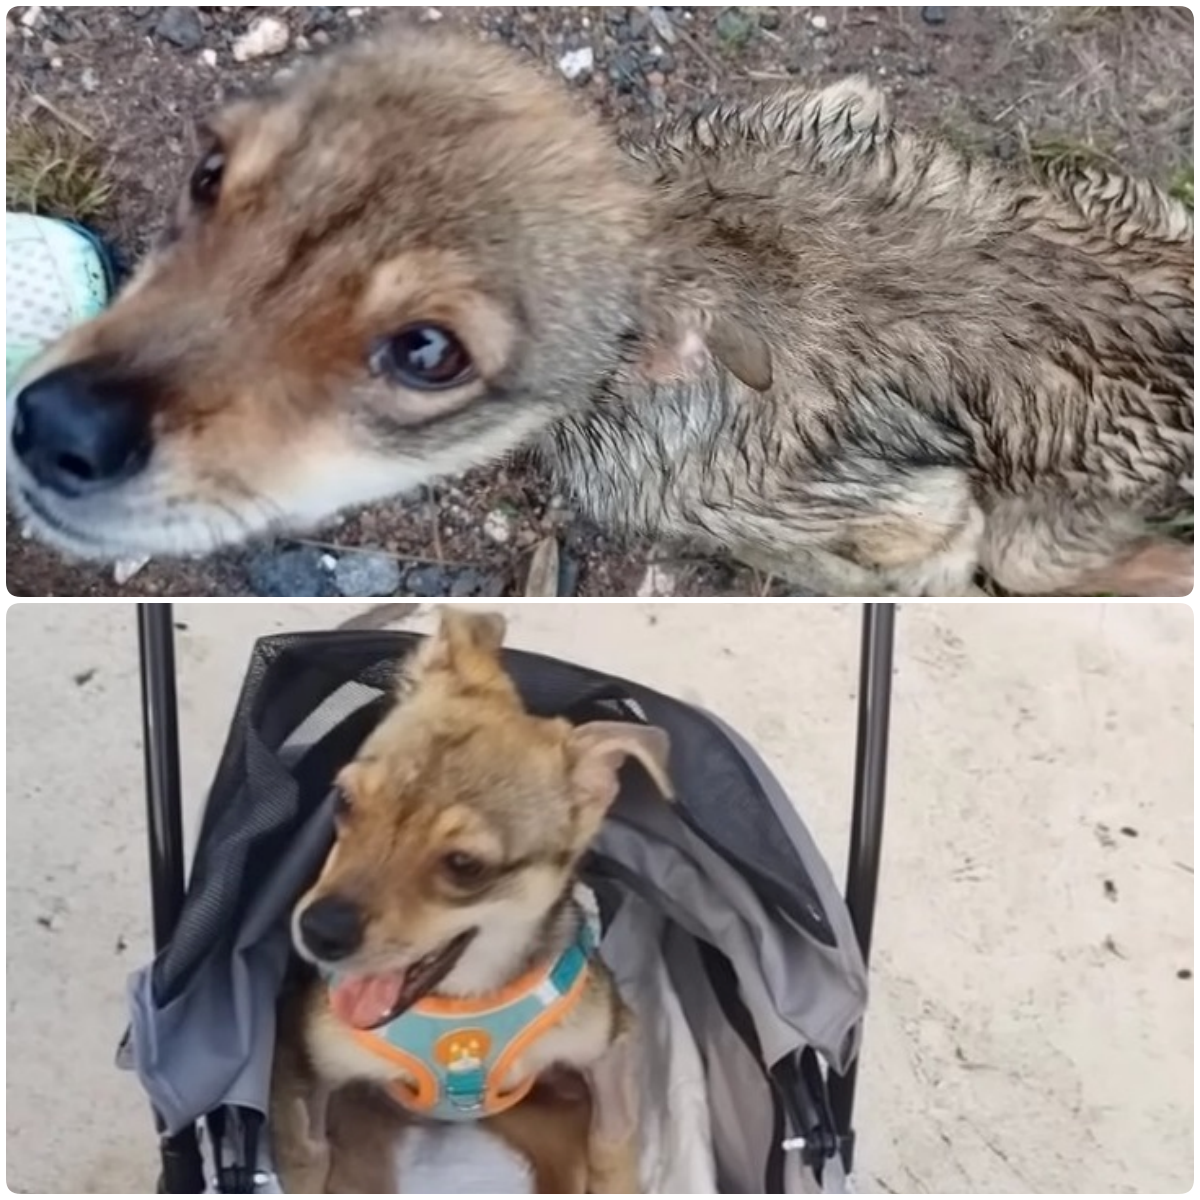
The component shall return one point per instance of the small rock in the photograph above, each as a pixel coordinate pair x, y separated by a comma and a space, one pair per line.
182, 26
769, 19
656, 79
287, 573
354, 13
83, 678
319, 16
498, 527
209, 58
932, 14
89, 81
427, 581
735, 28
469, 581
819, 23
303, 45
578, 65
328, 563
661, 20
31, 16
431, 15
127, 568
56, 64
367, 575
266, 38
658, 581
625, 71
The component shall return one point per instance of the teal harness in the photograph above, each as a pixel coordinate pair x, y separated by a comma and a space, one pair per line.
458, 1052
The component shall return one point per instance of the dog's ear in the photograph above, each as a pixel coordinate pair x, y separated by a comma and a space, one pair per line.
685, 326
466, 646
598, 750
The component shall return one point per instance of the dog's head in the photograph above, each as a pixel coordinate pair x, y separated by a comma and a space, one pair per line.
460, 825
406, 263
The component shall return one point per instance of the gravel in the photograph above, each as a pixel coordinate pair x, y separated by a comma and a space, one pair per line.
267, 37
367, 575
182, 26
297, 572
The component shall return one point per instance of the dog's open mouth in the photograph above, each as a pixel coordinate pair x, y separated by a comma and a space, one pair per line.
368, 1001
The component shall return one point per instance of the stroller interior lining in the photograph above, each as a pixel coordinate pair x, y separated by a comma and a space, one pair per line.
753, 982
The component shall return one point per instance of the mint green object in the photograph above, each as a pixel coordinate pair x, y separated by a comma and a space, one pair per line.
56, 275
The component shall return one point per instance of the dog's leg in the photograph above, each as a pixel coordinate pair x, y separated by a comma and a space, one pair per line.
613, 1147
1040, 548
299, 1144
550, 1131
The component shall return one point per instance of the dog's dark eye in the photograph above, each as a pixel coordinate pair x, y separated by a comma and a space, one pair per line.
464, 869
426, 358
207, 178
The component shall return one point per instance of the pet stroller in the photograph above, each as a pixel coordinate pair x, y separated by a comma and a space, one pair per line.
762, 960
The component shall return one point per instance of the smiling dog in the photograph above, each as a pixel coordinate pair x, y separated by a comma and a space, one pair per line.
788, 331
458, 978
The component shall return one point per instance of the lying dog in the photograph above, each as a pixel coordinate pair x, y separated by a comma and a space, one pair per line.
457, 979
787, 330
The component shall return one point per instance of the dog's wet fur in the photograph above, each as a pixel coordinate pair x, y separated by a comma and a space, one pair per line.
459, 770
786, 330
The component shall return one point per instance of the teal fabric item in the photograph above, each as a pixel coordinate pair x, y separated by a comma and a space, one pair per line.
461, 1050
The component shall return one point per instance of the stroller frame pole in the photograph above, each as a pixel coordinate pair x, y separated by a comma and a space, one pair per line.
866, 833
182, 1163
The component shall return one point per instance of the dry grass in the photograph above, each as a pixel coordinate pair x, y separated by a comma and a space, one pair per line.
54, 169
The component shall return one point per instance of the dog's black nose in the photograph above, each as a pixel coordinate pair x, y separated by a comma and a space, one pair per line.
81, 429
332, 928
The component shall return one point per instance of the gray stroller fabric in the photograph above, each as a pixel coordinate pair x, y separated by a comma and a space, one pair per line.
759, 980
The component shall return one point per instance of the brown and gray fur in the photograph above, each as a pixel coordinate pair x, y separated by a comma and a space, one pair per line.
787, 330
458, 766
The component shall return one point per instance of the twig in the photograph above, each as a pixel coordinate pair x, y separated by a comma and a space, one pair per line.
435, 513
56, 112
338, 548
768, 76
713, 65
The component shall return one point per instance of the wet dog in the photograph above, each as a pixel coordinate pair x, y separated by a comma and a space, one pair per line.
456, 975
788, 330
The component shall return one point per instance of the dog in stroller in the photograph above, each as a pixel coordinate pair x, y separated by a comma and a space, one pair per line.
454, 967
718, 920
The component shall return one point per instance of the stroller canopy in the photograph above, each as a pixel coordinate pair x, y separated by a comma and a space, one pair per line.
754, 933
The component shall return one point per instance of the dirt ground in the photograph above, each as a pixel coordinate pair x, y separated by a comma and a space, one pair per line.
1023, 83
1032, 1010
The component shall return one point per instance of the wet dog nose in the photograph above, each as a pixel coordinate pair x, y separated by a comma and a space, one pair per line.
81, 430
331, 928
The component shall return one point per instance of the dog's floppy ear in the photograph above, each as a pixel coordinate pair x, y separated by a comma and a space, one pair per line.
598, 750
466, 646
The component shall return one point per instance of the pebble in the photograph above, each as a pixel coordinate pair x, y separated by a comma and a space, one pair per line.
367, 575
125, 569
182, 26
735, 28
657, 582
31, 16
819, 23
266, 38
428, 581
208, 57
89, 80
931, 14
283, 573
661, 20
498, 527
470, 581
625, 71
578, 65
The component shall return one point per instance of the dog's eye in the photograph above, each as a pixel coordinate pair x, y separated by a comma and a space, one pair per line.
207, 178
426, 358
464, 869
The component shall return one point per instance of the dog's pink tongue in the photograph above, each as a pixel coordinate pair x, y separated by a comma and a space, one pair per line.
367, 1000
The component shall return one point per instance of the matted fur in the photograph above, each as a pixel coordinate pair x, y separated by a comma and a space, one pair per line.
786, 330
